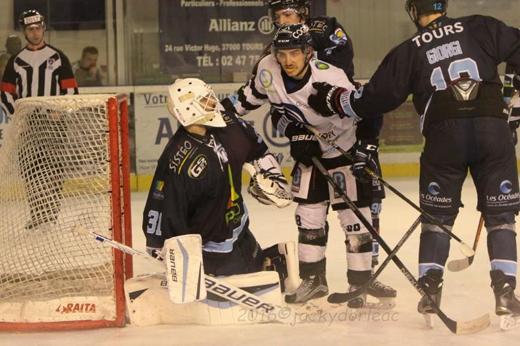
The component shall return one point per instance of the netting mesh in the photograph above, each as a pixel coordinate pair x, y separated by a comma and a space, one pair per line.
55, 176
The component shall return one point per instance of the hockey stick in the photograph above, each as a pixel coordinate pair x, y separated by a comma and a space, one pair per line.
214, 285
460, 264
464, 248
457, 327
337, 298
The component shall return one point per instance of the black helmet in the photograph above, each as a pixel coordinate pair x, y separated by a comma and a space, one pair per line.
30, 17
417, 8
292, 36
301, 7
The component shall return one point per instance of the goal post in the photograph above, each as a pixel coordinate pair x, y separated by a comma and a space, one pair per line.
64, 163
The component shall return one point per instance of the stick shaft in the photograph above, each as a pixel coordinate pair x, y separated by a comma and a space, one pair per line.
429, 217
216, 286
452, 325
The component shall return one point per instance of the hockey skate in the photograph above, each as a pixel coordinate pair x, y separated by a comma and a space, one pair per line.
358, 302
384, 293
431, 283
507, 305
312, 287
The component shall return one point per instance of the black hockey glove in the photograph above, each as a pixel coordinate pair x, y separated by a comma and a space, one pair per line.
364, 157
304, 144
326, 101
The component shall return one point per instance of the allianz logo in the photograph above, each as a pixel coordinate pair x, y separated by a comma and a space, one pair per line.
264, 25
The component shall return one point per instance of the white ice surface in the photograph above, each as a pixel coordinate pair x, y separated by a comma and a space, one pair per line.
466, 294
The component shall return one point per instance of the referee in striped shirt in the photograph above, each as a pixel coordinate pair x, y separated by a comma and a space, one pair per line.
39, 69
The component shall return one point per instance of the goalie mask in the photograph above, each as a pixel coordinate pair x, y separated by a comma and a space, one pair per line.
193, 102
417, 8
278, 8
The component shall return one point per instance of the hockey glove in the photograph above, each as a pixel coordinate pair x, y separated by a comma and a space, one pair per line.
364, 158
268, 185
326, 101
304, 144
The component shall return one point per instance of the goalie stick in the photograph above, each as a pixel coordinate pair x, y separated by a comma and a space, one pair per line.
464, 248
214, 285
460, 264
456, 327
338, 298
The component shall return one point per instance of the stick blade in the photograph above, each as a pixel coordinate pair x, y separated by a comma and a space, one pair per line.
466, 250
473, 326
460, 264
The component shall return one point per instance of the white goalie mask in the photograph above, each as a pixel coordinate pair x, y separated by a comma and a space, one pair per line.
193, 102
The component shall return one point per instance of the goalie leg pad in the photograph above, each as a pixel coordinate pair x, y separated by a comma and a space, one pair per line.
184, 269
148, 302
283, 259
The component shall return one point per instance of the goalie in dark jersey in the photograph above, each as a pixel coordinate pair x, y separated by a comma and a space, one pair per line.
196, 188
450, 67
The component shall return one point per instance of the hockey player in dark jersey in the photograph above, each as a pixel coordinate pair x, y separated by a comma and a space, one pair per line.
329, 40
284, 79
450, 67
196, 188
38, 70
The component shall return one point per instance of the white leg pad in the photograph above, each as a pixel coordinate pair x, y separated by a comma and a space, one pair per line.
288, 249
148, 302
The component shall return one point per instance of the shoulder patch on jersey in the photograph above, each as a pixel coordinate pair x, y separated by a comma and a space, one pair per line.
338, 37
266, 78
50, 63
318, 26
197, 168
158, 190
320, 65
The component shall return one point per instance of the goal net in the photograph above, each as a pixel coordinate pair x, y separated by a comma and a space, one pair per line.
64, 165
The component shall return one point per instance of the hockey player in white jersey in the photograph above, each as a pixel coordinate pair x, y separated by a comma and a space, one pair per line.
284, 79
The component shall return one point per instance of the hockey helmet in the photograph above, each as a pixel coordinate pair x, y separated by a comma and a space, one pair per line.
417, 8
300, 7
30, 17
193, 102
292, 36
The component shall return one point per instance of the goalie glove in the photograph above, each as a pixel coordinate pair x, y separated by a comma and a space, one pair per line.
268, 185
